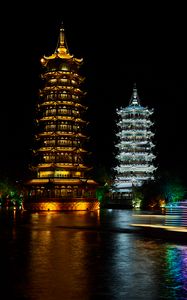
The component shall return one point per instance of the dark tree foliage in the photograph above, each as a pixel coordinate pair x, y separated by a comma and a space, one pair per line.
10, 193
167, 187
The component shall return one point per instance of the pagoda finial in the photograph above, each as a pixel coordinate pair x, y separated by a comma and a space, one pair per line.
61, 40
61, 50
134, 98
62, 45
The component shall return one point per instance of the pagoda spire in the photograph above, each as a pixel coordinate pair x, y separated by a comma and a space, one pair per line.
135, 100
62, 36
61, 50
62, 44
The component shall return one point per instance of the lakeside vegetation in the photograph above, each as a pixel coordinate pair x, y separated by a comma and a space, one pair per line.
166, 188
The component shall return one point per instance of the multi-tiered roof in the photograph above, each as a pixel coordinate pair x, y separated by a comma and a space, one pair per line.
135, 147
60, 116
60, 133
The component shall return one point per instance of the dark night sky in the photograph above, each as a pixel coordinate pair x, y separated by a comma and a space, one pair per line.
120, 45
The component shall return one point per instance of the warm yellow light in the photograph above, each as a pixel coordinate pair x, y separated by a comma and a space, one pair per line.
77, 173
62, 173
65, 172
46, 173
78, 205
162, 203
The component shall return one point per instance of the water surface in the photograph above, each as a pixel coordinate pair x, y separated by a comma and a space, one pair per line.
87, 255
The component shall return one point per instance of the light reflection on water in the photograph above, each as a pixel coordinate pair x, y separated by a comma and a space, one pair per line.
77, 255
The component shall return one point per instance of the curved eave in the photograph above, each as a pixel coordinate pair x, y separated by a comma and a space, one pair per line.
63, 74
61, 133
64, 166
62, 55
136, 168
63, 102
71, 89
61, 149
60, 181
62, 118
142, 111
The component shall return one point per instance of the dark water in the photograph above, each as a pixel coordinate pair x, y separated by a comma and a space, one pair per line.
87, 255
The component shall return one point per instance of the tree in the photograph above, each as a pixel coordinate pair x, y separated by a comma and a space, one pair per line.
166, 187
10, 193
151, 195
102, 194
173, 190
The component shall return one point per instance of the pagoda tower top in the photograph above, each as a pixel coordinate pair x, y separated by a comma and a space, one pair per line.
62, 45
61, 50
135, 100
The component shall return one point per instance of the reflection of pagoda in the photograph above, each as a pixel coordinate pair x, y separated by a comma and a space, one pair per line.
135, 149
60, 182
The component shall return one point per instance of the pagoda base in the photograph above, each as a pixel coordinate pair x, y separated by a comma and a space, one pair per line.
65, 205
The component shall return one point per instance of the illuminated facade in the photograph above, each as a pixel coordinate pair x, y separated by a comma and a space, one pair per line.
60, 180
135, 149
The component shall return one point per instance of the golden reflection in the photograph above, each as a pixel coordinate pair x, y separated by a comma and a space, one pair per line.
67, 274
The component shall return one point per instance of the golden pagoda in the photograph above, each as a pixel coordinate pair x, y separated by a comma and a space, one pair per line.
60, 182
